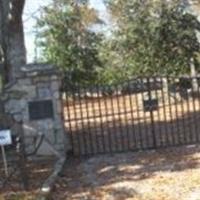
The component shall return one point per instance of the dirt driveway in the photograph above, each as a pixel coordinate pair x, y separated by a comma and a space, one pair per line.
169, 174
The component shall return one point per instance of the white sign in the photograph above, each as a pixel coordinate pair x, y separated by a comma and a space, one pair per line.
5, 137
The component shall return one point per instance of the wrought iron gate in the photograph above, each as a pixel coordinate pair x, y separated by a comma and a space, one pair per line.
143, 113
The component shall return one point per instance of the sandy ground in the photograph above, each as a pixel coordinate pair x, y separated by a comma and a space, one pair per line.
168, 174
118, 123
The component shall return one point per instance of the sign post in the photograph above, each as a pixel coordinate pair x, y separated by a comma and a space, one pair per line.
5, 139
4, 160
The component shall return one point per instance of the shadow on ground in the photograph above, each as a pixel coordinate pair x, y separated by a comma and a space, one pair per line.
117, 135
121, 176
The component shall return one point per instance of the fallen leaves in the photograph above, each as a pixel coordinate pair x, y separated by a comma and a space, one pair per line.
169, 174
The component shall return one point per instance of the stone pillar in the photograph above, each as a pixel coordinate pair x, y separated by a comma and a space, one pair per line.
35, 100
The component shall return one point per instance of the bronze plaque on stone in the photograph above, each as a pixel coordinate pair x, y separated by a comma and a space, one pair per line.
39, 110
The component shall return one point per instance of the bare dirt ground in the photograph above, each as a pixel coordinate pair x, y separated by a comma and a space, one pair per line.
168, 174
117, 123
37, 173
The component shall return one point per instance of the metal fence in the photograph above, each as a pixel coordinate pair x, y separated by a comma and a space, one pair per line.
143, 113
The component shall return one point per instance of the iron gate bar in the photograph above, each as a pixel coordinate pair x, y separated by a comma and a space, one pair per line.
198, 136
81, 138
169, 115
189, 117
108, 133
199, 107
166, 138
177, 111
114, 124
165, 134
197, 132
183, 121
151, 112
146, 133
126, 122
120, 124
178, 130
80, 147
101, 116
127, 126
69, 119
105, 130
195, 108
178, 122
195, 135
85, 132
171, 118
132, 117
159, 118
152, 117
186, 117
107, 126
171, 138
143, 124
91, 151
117, 122
141, 146
123, 132
95, 124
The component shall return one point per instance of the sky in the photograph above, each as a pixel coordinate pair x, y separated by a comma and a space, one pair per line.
32, 10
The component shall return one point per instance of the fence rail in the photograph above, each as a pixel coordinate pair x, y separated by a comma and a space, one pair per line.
143, 113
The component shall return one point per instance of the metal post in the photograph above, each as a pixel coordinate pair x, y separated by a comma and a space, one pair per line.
4, 160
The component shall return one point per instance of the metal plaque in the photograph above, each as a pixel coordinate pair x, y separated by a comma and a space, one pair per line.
39, 110
150, 105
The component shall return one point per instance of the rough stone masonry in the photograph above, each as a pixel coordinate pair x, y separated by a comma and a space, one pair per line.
34, 99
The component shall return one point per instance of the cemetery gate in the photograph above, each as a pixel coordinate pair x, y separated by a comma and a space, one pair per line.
139, 114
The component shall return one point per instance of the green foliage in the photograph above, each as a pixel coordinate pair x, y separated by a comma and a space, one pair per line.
153, 37
148, 38
67, 40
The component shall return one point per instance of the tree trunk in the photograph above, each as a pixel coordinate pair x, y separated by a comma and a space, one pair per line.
12, 37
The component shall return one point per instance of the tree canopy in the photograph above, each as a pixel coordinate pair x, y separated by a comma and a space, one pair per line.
154, 37
147, 38
68, 41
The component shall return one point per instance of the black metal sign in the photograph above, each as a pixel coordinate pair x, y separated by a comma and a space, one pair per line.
150, 105
41, 110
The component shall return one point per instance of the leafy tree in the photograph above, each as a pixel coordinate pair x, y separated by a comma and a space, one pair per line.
153, 37
113, 58
148, 37
68, 41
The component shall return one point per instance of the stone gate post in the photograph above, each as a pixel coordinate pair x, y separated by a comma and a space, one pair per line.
35, 100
